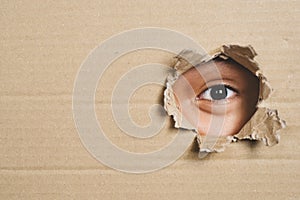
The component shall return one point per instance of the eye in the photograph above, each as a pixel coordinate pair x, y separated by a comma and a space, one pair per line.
217, 92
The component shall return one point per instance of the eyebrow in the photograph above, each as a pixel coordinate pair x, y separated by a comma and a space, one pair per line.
218, 73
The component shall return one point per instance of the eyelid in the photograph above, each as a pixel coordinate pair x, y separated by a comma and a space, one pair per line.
203, 95
217, 82
231, 88
224, 81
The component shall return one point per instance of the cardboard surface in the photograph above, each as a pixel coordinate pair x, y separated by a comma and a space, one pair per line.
42, 47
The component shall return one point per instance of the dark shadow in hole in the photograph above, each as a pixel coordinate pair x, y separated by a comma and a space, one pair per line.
193, 153
161, 96
171, 124
194, 146
252, 144
252, 147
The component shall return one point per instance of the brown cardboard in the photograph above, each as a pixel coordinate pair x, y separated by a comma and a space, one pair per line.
43, 44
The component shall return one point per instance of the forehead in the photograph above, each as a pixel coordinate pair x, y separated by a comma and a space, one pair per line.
218, 70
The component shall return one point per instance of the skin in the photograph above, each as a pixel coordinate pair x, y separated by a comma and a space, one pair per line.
217, 117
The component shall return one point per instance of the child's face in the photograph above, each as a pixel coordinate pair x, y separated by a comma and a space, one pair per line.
214, 104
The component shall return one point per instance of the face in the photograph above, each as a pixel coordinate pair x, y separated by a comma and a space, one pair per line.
217, 97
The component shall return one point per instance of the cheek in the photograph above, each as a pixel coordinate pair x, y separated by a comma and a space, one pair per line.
228, 122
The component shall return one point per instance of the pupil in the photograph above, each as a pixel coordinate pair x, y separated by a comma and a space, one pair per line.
218, 92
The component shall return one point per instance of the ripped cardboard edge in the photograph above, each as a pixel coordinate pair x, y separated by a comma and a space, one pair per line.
172, 108
244, 55
264, 125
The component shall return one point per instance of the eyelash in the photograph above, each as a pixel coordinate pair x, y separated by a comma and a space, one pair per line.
217, 93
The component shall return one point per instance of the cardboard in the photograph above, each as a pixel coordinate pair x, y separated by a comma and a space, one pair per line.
43, 44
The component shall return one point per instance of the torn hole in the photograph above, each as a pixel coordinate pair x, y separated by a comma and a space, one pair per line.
218, 96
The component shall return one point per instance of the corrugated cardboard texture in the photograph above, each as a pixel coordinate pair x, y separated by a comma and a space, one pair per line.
42, 47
